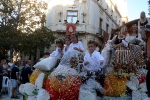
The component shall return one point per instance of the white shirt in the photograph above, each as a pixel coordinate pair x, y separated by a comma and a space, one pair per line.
78, 45
132, 39
94, 61
53, 54
56, 53
64, 50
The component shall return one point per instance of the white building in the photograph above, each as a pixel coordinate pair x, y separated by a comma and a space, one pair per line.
91, 17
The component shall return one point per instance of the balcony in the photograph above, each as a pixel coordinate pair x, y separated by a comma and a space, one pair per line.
61, 27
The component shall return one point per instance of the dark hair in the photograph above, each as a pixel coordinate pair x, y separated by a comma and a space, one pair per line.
68, 37
92, 42
16, 63
46, 53
97, 44
60, 41
131, 28
76, 35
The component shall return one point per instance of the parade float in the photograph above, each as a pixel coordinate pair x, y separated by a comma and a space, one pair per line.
53, 80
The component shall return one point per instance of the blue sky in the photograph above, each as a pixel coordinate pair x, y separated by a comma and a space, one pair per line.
134, 8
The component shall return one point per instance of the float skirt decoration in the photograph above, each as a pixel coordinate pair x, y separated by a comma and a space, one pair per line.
115, 86
63, 87
35, 74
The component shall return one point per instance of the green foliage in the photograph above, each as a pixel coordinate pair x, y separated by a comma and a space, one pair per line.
22, 26
40, 39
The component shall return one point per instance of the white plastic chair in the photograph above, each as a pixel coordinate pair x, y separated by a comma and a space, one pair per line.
9, 88
5, 84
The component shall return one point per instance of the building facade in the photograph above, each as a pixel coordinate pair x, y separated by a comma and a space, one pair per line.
94, 19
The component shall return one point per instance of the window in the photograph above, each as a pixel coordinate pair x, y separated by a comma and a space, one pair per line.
107, 27
100, 23
101, 26
72, 16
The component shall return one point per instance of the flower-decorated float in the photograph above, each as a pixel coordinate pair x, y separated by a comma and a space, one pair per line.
65, 83
125, 77
60, 82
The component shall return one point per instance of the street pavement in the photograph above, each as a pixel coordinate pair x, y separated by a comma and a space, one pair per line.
7, 97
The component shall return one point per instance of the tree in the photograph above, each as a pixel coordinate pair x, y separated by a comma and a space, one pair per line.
22, 26
40, 39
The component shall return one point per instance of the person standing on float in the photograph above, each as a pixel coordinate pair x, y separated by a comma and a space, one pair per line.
141, 31
75, 45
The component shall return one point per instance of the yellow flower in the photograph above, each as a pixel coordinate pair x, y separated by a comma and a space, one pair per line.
124, 74
131, 74
34, 76
123, 95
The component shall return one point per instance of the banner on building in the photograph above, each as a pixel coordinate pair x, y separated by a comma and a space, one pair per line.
70, 28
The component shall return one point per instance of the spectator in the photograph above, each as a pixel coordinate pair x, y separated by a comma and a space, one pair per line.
21, 65
8, 71
10, 63
1, 76
5, 66
15, 80
26, 72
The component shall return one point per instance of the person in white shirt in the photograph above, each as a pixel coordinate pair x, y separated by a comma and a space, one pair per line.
67, 44
71, 57
93, 61
75, 46
59, 49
